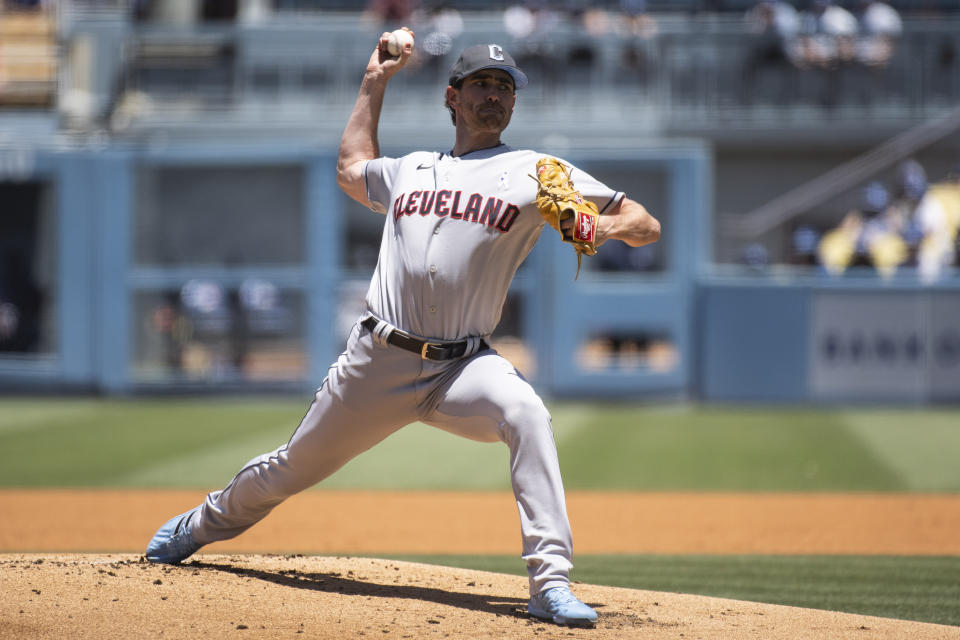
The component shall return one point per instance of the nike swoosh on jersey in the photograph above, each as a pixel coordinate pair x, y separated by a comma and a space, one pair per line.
424, 166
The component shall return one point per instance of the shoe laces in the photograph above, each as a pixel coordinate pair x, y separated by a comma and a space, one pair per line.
181, 540
560, 596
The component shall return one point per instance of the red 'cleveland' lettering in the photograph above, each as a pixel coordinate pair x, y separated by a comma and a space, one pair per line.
411, 203
508, 218
473, 207
457, 215
426, 202
490, 211
485, 212
397, 209
441, 209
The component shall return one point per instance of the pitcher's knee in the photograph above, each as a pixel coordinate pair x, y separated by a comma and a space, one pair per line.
273, 475
527, 417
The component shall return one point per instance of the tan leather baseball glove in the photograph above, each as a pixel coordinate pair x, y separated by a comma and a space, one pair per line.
557, 200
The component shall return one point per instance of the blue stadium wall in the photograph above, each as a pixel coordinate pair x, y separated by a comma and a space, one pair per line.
730, 339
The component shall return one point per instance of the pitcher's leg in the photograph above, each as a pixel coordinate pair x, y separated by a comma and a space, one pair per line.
538, 488
366, 396
329, 436
489, 401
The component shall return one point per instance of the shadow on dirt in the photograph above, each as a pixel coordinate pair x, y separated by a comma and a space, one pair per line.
356, 585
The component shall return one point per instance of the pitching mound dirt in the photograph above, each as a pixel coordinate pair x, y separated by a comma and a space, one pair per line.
253, 596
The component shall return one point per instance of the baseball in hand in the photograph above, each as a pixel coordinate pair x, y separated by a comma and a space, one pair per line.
398, 40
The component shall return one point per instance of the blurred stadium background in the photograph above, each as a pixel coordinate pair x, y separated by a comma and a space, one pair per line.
170, 223
170, 219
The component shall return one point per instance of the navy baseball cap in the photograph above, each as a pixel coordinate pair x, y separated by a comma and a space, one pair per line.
486, 56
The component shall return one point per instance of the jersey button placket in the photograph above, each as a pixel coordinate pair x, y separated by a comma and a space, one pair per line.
433, 271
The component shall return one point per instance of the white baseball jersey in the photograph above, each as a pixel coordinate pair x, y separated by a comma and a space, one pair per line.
457, 229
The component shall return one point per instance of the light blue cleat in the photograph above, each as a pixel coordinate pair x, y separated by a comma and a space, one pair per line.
172, 543
561, 606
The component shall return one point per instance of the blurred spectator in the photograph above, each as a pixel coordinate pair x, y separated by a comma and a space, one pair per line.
636, 20
9, 323
756, 257
803, 245
518, 21
393, 13
911, 185
263, 303
533, 25
638, 29
877, 17
839, 245
441, 25
826, 37
168, 323
254, 11
436, 29
21, 303
871, 235
535, 19
881, 240
205, 303
773, 26
938, 219
876, 198
587, 25
596, 21
183, 12
880, 27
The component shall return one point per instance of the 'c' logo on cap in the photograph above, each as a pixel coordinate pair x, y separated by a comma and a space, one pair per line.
496, 53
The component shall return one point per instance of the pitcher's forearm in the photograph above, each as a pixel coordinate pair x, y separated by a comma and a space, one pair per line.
630, 223
359, 141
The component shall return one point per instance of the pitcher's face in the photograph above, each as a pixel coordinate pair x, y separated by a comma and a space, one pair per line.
485, 100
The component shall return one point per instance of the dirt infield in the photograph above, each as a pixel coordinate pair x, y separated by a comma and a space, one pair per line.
371, 522
218, 596
118, 595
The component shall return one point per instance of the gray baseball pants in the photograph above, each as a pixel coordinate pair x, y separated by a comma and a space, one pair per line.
374, 390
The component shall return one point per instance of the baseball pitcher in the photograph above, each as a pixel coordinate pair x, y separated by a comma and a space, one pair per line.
457, 225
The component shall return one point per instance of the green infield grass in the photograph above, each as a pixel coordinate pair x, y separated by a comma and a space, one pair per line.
201, 443
926, 589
